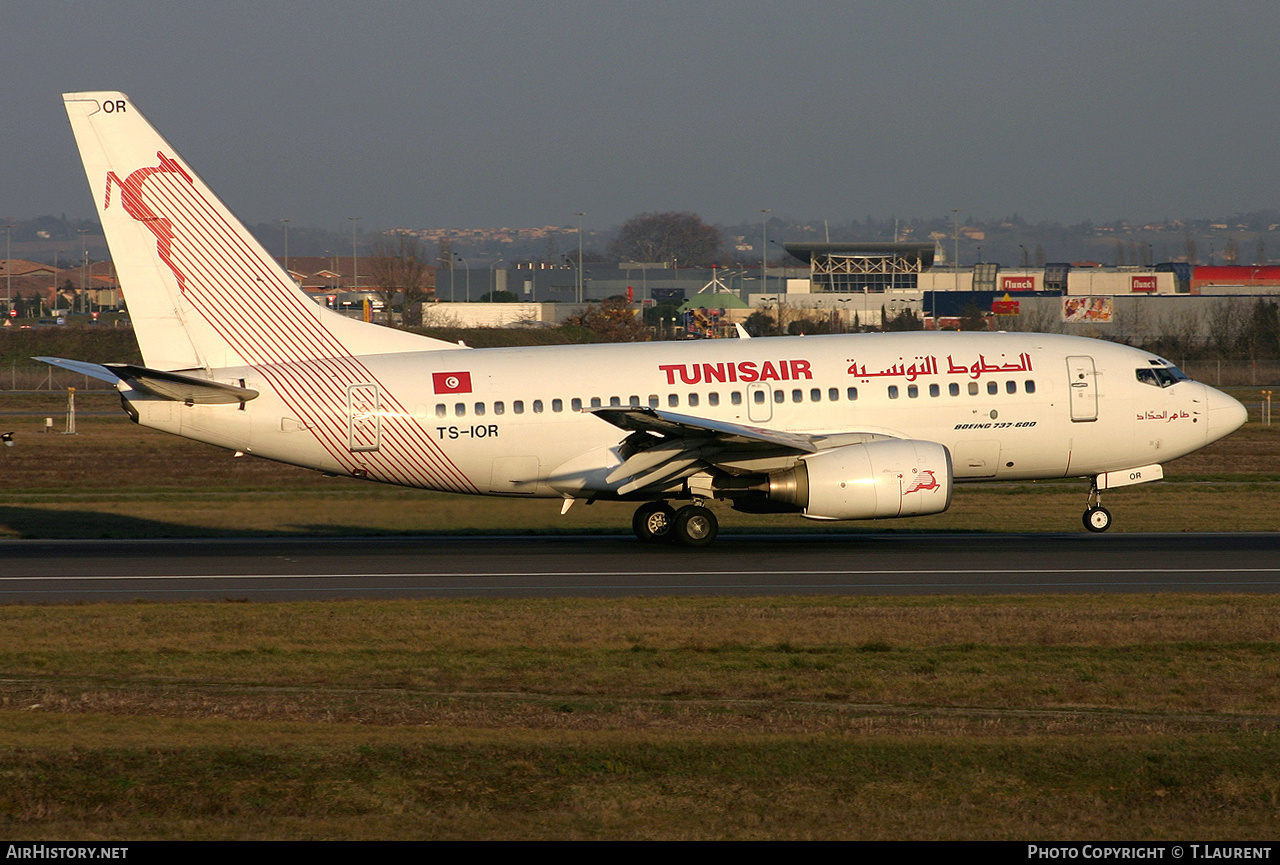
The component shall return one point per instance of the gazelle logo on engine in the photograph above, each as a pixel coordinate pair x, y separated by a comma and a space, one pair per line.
925, 480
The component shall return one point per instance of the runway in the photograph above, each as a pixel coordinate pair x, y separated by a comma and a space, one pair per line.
278, 569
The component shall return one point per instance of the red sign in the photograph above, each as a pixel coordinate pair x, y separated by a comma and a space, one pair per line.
1017, 283
451, 382
631, 294
1004, 307
1142, 283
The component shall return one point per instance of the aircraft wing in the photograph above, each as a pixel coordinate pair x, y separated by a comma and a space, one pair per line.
666, 446
166, 385
672, 425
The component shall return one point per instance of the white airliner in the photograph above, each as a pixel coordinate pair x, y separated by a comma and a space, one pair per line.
828, 427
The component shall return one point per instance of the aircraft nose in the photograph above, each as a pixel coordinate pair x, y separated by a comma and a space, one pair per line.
1225, 414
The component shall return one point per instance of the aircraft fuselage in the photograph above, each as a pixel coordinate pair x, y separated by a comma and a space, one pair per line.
1006, 405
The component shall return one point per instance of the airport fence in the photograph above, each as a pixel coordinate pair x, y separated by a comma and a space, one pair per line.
1233, 373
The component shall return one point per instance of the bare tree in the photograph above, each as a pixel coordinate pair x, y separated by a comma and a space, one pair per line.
612, 320
1190, 249
1225, 325
1037, 315
401, 272
664, 236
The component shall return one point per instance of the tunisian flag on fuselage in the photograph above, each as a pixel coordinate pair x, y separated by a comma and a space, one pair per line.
451, 382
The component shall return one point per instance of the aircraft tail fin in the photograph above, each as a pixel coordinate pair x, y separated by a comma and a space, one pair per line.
201, 291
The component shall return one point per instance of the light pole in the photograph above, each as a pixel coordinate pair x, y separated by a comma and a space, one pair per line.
580, 215
355, 260
764, 251
449, 261
468, 267
286, 222
955, 238
8, 266
84, 264
493, 279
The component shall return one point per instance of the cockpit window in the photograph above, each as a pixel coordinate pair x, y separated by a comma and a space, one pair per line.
1160, 376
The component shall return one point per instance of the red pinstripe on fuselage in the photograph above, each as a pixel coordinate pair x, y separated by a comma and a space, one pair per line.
270, 326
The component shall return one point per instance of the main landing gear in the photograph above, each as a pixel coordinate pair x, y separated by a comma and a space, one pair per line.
1096, 517
691, 526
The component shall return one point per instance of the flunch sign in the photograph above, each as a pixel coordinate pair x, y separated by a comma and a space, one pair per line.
1017, 283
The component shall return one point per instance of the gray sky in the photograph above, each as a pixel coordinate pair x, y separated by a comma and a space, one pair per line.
496, 112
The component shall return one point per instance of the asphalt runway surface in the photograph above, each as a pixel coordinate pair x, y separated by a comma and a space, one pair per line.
277, 569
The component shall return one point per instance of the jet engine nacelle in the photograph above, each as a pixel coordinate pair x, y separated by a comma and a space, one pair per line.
878, 479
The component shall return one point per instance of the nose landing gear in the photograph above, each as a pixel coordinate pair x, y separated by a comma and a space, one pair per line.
1096, 517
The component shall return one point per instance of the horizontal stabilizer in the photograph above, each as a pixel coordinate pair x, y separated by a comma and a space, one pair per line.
160, 383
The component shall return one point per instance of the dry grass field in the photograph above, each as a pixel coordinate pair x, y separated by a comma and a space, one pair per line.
1084, 718
1064, 719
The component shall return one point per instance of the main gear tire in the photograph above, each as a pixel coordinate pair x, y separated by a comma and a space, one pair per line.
695, 526
653, 522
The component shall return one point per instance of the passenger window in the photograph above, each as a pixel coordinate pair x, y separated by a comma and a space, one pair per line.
736, 397
693, 400
853, 393
953, 389
1030, 386
595, 402
913, 391
893, 391
479, 409
537, 406
460, 410
576, 404
973, 388
993, 388
518, 406
758, 396
779, 396
556, 405
713, 398
816, 394
1010, 387
934, 390
833, 394
634, 401
797, 395
653, 400
499, 408
441, 410
615, 402
673, 400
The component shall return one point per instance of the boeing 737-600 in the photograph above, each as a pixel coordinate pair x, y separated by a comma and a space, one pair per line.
828, 427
